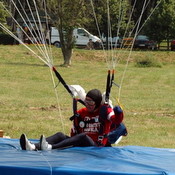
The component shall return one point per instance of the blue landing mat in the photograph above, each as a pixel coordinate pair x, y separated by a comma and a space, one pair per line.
90, 160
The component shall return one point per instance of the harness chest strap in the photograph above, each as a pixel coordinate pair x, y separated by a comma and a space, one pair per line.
80, 124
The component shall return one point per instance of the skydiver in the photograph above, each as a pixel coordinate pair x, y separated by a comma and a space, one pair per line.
92, 127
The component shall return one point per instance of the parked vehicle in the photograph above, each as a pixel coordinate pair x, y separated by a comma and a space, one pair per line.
113, 42
127, 42
81, 35
143, 42
173, 45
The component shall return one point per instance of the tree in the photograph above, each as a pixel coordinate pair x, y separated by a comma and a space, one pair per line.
67, 15
13, 9
111, 16
161, 25
3, 15
145, 5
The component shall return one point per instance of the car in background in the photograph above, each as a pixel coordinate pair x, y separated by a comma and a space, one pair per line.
143, 42
81, 36
127, 42
111, 42
173, 45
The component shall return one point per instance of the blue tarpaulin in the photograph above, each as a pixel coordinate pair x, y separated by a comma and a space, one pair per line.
136, 160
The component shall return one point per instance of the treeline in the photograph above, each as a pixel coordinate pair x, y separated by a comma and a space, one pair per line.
157, 17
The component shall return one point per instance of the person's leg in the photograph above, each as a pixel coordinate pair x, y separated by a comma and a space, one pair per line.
53, 139
27, 145
79, 140
58, 140
114, 135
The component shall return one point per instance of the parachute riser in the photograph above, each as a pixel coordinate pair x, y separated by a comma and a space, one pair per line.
75, 114
62, 81
75, 100
109, 83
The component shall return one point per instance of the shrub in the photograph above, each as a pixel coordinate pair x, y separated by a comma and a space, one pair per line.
7, 39
147, 62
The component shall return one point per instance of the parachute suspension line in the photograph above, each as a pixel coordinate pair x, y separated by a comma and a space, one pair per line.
99, 32
149, 15
43, 52
136, 33
109, 49
125, 33
106, 53
14, 36
58, 102
38, 47
137, 25
49, 164
96, 21
137, 30
48, 32
110, 77
120, 14
18, 39
129, 56
58, 75
43, 39
119, 54
39, 35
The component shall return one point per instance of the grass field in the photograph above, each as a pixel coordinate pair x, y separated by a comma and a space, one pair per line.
28, 102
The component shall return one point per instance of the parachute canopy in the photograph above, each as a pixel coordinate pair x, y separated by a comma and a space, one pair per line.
87, 160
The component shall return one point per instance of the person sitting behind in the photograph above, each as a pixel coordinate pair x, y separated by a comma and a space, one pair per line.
90, 45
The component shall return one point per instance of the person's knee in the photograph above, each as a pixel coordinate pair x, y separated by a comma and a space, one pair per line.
61, 135
86, 140
82, 135
114, 135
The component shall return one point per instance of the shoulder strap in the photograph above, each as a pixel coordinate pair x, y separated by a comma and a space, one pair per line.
103, 112
102, 118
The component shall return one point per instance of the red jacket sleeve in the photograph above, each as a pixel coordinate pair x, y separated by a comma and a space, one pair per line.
117, 116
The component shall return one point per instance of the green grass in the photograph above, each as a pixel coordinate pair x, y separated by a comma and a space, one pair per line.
28, 102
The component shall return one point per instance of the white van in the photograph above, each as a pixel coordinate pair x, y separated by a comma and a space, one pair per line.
81, 36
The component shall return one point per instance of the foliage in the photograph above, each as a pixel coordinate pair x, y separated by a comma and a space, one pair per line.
67, 15
140, 7
111, 16
161, 26
82, 14
148, 62
3, 15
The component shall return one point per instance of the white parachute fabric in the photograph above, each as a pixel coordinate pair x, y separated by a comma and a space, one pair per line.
78, 91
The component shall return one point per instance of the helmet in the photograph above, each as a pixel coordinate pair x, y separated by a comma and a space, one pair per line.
96, 96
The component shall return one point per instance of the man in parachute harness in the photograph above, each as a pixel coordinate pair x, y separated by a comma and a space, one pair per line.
93, 125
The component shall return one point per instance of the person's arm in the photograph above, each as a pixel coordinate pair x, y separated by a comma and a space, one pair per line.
115, 115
